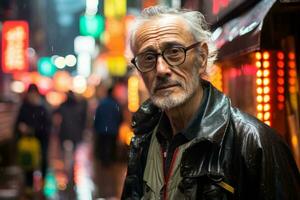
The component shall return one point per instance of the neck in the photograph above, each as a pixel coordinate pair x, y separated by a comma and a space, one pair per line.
180, 116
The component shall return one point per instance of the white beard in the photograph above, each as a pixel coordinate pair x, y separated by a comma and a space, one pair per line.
169, 100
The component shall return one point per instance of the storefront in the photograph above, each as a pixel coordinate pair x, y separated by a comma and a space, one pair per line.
259, 48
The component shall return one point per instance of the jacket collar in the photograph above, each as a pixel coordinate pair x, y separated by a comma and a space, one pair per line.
215, 118
208, 143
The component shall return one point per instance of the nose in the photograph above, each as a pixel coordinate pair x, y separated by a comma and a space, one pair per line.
162, 67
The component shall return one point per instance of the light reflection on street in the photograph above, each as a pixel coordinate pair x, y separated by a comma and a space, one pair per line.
82, 173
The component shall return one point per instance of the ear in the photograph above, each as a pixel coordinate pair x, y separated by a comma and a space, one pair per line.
203, 61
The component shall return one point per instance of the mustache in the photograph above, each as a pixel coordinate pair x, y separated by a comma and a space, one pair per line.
164, 82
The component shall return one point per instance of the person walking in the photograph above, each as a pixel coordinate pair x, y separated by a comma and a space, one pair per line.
108, 118
33, 117
71, 120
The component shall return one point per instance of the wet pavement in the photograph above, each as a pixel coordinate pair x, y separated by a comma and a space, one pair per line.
78, 177
85, 178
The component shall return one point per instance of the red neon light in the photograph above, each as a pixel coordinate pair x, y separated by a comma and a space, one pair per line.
280, 64
280, 98
280, 81
280, 55
280, 89
292, 64
218, 5
292, 55
15, 42
263, 89
292, 73
280, 106
280, 72
292, 81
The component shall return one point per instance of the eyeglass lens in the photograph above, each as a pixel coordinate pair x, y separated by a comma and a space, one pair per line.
173, 56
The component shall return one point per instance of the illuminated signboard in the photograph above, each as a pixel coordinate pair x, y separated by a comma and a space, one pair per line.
15, 42
115, 8
91, 25
115, 35
147, 3
214, 10
117, 65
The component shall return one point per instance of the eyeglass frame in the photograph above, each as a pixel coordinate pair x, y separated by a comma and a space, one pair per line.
185, 49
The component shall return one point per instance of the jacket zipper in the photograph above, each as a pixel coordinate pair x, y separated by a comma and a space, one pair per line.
167, 176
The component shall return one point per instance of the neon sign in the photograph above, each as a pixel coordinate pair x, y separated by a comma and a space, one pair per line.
218, 5
215, 10
15, 42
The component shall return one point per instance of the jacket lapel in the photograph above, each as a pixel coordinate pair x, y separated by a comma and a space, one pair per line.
207, 146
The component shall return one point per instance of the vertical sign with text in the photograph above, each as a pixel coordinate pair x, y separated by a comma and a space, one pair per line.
15, 42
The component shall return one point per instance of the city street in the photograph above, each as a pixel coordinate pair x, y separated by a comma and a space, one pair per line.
209, 89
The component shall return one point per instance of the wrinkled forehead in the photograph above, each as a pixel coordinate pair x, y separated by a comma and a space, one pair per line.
164, 27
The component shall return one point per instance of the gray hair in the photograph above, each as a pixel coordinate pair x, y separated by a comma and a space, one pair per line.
194, 19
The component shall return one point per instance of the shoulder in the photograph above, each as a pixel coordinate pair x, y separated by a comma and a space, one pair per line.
146, 118
254, 136
107, 101
247, 124
265, 156
140, 141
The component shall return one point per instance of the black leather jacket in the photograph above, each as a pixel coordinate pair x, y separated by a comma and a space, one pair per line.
231, 147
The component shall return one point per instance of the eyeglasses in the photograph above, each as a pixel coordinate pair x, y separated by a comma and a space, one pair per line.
174, 56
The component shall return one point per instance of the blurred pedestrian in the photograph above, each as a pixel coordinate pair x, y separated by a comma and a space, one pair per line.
71, 120
34, 119
108, 118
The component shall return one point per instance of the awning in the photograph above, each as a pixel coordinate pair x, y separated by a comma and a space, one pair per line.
242, 34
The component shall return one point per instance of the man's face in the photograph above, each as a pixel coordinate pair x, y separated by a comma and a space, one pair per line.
169, 86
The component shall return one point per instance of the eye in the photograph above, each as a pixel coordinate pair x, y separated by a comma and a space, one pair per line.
173, 52
148, 57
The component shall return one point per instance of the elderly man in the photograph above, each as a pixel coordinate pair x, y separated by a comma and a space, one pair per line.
190, 143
